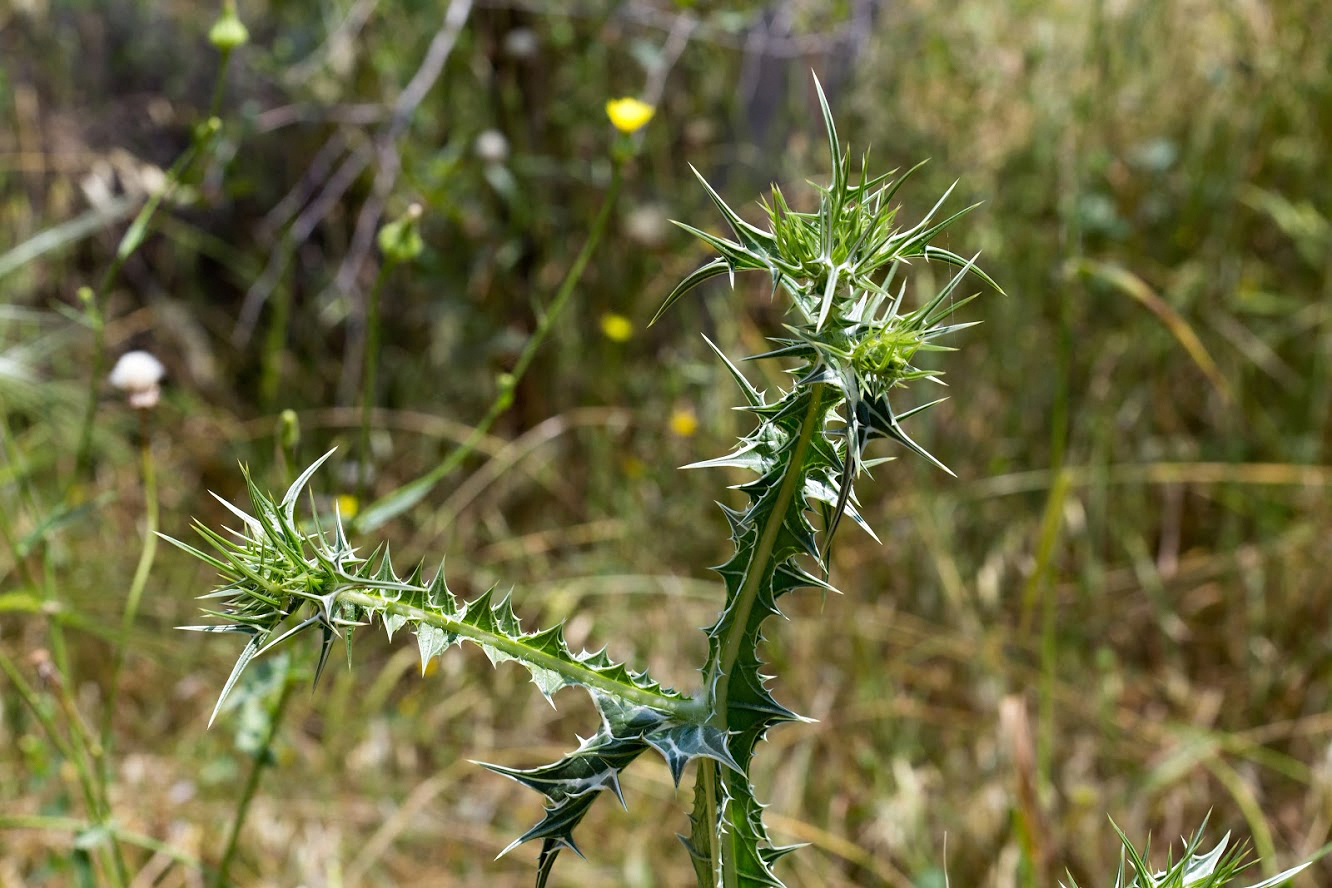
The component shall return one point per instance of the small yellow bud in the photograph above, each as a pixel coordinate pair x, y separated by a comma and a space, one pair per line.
629, 115
616, 327
228, 32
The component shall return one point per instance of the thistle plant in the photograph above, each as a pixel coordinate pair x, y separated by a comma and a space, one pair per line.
1195, 868
851, 347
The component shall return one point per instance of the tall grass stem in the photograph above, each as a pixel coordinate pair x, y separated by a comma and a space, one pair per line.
369, 368
147, 554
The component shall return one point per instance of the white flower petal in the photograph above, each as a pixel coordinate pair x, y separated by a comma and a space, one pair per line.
137, 371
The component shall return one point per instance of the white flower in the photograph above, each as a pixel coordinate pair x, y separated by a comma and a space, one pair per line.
139, 375
648, 225
492, 147
521, 43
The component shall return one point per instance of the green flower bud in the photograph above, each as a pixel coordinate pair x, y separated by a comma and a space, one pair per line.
228, 32
289, 430
886, 354
400, 240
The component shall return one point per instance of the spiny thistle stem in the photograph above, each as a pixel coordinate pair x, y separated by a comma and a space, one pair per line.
757, 573
792, 480
685, 709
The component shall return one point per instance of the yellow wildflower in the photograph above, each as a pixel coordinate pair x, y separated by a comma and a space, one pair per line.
683, 423
616, 327
348, 506
629, 115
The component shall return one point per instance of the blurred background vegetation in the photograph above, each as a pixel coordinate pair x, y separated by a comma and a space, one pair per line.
1120, 607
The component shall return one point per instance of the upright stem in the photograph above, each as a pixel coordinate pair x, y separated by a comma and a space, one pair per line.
758, 570
270, 362
146, 556
369, 368
219, 84
96, 366
129, 243
759, 567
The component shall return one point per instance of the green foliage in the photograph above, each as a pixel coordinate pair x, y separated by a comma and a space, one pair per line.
807, 450
274, 573
1195, 868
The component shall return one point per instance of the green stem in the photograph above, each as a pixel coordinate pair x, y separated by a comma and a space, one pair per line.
707, 775
261, 757
219, 84
758, 570
369, 367
685, 710
759, 567
82, 749
147, 554
270, 362
29, 696
402, 499
55, 626
96, 367
129, 242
